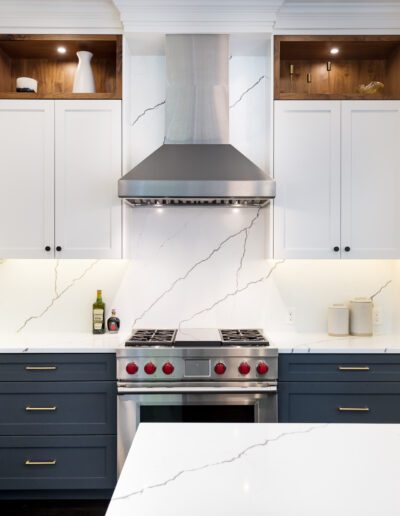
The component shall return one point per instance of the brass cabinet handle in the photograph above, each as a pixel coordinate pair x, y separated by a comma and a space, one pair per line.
353, 409
40, 368
40, 462
354, 368
40, 409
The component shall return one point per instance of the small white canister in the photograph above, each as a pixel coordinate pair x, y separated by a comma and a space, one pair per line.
338, 320
361, 316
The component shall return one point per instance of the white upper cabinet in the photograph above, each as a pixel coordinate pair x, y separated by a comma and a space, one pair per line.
337, 167
26, 178
87, 169
371, 179
307, 173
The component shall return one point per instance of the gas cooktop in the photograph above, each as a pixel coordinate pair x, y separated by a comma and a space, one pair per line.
196, 337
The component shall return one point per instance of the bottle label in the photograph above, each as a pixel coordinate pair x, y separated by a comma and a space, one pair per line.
98, 315
113, 326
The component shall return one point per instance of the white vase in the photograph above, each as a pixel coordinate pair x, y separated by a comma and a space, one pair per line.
84, 80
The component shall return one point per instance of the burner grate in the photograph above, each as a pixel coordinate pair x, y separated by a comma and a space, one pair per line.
151, 336
243, 336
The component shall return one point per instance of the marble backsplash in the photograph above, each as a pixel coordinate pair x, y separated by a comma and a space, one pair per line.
185, 274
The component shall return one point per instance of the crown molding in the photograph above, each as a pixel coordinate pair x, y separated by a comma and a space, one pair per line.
339, 16
183, 16
60, 17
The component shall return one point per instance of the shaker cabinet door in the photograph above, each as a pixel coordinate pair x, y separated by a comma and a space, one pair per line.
370, 179
307, 173
87, 169
26, 179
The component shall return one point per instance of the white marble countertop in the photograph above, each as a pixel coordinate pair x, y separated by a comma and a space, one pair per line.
108, 343
264, 469
60, 343
323, 343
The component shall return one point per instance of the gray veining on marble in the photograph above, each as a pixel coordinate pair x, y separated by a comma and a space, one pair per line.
247, 91
230, 460
145, 111
232, 294
57, 294
381, 289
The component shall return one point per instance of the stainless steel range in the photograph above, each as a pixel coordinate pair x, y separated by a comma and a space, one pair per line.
194, 375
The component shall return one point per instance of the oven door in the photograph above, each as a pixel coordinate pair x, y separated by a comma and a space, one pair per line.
192, 403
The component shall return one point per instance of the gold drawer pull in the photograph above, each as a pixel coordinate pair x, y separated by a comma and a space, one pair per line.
40, 462
40, 368
354, 368
353, 409
40, 409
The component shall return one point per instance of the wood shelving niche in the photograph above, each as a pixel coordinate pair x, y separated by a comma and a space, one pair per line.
302, 69
36, 56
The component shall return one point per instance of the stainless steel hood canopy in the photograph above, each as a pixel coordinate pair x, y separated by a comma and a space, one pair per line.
196, 165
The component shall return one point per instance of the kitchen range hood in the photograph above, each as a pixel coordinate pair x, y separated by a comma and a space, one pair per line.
196, 164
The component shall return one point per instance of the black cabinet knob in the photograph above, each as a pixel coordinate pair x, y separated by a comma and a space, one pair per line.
336, 248
58, 248
347, 248
47, 248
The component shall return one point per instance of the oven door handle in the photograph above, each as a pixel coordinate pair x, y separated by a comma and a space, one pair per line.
196, 390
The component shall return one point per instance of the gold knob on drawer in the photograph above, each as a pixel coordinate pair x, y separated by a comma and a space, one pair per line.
29, 462
354, 368
353, 409
40, 368
40, 409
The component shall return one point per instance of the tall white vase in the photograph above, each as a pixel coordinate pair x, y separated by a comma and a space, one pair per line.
84, 80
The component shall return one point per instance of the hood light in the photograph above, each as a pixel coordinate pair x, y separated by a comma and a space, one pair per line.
61, 50
334, 50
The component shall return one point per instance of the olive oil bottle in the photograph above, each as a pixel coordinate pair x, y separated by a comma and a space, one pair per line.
99, 309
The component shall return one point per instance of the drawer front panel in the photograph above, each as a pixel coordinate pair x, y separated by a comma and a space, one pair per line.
339, 402
50, 367
58, 462
57, 408
339, 367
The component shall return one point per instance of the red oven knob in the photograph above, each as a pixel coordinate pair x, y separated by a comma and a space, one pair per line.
244, 368
262, 368
150, 368
132, 368
168, 368
220, 368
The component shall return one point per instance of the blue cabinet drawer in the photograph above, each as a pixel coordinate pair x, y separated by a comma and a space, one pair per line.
67, 462
57, 408
339, 402
339, 367
50, 367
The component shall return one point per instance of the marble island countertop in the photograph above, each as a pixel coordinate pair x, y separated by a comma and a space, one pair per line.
70, 342
264, 469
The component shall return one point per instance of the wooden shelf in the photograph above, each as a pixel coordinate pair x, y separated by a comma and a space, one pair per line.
36, 56
361, 60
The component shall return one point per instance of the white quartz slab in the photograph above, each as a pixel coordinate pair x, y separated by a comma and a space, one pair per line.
75, 342
60, 343
260, 469
323, 343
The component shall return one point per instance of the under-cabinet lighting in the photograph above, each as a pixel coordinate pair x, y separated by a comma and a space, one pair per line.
334, 50
61, 50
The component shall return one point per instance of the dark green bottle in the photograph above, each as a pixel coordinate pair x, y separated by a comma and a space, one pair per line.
99, 309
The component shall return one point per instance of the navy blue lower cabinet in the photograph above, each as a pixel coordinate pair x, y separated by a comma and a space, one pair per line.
54, 463
340, 367
339, 402
56, 367
58, 423
58, 408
